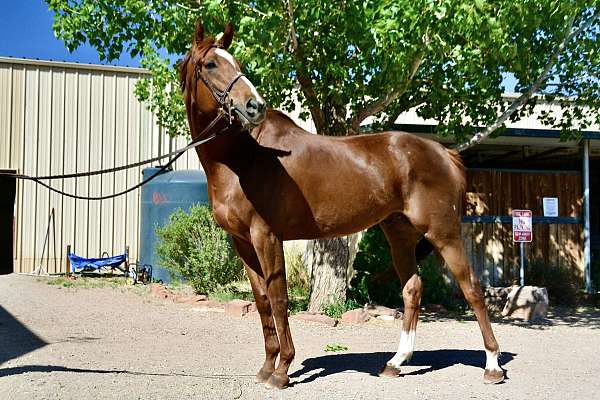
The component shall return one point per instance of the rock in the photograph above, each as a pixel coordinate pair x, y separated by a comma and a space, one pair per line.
316, 318
160, 291
526, 302
193, 299
385, 317
375, 311
357, 316
209, 305
495, 298
438, 308
237, 308
252, 307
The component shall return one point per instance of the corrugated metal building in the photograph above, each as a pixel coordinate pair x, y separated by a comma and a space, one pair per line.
56, 118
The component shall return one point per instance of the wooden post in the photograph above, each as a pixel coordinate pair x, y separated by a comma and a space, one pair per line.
587, 258
67, 262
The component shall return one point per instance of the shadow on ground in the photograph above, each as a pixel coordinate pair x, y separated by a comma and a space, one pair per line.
371, 363
24, 369
15, 338
586, 317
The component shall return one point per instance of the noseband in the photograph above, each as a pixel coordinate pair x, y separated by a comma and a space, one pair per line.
221, 96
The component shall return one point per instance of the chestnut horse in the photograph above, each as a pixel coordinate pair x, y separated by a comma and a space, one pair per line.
270, 181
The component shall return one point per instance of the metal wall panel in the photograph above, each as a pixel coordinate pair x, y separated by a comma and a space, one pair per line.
62, 118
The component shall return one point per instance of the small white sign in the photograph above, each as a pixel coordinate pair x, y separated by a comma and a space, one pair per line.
550, 206
522, 226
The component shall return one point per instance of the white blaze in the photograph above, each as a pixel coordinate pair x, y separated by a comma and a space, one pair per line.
226, 56
405, 349
229, 58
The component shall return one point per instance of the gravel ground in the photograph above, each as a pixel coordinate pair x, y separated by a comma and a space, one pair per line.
119, 343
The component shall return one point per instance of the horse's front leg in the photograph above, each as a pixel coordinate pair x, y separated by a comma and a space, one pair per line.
259, 289
269, 249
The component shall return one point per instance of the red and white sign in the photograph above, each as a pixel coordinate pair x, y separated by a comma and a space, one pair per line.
522, 226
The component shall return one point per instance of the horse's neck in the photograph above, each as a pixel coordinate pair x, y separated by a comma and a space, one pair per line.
230, 147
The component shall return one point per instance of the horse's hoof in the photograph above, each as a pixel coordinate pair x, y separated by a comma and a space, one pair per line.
493, 376
278, 381
389, 371
263, 375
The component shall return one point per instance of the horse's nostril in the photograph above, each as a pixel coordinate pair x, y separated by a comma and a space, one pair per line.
261, 106
252, 105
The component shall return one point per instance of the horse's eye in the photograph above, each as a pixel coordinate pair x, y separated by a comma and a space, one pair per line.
210, 65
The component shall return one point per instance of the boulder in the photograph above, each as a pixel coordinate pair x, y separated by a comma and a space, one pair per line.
160, 291
209, 305
357, 316
190, 299
495, 298
316, 318
375, 311
237, 308
526, 302
436, 308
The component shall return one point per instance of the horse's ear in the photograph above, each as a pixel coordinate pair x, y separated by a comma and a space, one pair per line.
199, 34
225, 40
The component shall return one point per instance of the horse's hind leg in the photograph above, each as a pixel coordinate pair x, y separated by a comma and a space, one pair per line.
259, 289
403, 238
445, 236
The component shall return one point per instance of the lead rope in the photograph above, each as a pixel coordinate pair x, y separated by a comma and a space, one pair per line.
177, 153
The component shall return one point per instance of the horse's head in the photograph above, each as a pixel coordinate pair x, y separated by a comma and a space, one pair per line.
211, 79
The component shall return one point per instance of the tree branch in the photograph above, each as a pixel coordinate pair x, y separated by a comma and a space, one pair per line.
303, 77
387, 99
478, 137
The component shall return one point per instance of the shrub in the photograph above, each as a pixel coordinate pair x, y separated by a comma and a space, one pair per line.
375, 279
193, 246
296, 272
562, 285
335, 310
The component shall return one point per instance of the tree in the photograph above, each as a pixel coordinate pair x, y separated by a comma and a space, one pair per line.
347, 61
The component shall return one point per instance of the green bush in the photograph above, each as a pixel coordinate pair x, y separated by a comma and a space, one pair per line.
335, 310
193, 246
376, 281
296, 273
596, 271
562, 285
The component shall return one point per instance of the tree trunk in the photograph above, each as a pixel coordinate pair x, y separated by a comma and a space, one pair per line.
328, 262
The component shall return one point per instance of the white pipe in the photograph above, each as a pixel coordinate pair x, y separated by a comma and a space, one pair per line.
587, 262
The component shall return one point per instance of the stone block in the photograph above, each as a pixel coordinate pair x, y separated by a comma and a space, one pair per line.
375, 311
316, 318
526, 302
357, 316
237, 308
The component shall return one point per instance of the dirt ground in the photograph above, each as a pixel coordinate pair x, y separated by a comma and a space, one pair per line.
119, 343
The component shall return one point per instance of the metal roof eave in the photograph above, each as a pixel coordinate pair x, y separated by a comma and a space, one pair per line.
73, 65
508, 132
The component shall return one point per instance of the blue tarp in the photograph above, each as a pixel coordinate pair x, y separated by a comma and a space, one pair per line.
96, 263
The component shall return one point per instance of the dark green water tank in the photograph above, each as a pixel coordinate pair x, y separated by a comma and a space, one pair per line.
160, 198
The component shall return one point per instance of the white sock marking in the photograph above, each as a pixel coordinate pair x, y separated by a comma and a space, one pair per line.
405, 349
491, 360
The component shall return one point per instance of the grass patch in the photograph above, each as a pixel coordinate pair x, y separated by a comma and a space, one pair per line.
335, 347
86, 282
228, 293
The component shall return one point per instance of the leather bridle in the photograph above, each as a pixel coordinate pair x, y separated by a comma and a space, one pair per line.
221, 96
